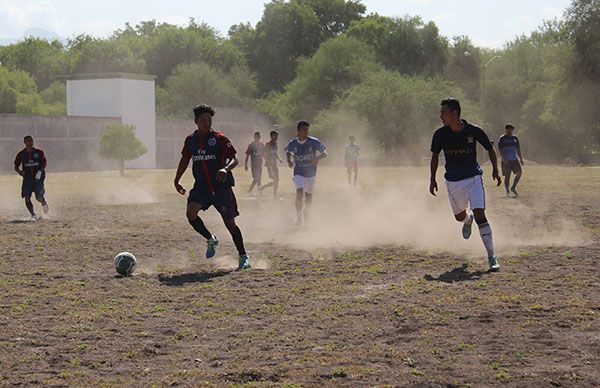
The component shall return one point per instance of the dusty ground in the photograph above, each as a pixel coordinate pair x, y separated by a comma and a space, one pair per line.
379, 289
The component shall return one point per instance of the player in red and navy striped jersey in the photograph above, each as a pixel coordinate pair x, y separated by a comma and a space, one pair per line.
213, 158
30, 163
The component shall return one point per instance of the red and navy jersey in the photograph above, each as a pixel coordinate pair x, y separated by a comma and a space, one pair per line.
31, 162
209, 154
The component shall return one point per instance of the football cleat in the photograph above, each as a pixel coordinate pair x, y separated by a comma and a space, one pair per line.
243, 262
494, 265
467, 227
211, 247
514, 191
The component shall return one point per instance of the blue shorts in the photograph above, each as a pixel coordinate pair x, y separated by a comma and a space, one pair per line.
30, 186
223, 199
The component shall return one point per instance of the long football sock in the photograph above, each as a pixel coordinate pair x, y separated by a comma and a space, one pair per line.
29, 205
199, 227
485, 231
238, 240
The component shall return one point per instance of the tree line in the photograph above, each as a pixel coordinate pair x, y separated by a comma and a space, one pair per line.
331, 62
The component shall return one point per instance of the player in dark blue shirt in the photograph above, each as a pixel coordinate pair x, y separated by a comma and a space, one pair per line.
30, 163
213, 158
254, 152
303, 154
510, 153
458, 139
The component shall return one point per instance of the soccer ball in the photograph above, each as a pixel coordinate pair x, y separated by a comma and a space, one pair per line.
125, 263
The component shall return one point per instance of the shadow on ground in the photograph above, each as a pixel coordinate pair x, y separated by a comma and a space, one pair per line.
198, 277
458, 274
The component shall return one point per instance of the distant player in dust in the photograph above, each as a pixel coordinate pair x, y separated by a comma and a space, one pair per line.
271, 155
30, 163
303, 154
351, 157
458, 139
254, 152
213, 158
510, 153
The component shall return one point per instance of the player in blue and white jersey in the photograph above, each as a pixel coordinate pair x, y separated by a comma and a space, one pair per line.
458, 139
510, 153
351, 157
304, 153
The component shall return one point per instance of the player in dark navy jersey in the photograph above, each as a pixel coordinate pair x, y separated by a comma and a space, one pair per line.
458, 139
510, 153
30, 163
213, 158
304, 153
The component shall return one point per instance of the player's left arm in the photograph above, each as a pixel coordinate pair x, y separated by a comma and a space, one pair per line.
519, 152
322, 153
229, 154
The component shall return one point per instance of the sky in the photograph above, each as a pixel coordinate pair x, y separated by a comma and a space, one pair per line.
489, 23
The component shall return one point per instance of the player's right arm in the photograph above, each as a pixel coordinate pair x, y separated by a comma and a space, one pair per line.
433, 165
288, 154
186, 155
248, 152
436, 148
18, 164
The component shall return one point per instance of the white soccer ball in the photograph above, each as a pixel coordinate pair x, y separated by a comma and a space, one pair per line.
125, 263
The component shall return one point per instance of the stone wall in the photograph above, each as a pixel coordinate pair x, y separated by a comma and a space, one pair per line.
71, 143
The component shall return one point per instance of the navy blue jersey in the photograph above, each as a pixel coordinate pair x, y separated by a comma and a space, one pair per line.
31, 162
305, 154
508, 146
209, 154
460, 150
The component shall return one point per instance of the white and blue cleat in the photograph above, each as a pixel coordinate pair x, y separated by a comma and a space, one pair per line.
493, 263
243, 262
211, 247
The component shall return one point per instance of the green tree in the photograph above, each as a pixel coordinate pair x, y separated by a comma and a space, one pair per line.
191, 84
16, 86
406, 45
120, 143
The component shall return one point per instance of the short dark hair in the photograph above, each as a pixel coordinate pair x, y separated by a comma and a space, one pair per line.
453, 104
273, 132
302, 123
257, 133
509, 125
203, 108
27, 137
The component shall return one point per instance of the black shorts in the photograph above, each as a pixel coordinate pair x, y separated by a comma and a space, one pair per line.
509, 166
223, 199
273, 171
30, 186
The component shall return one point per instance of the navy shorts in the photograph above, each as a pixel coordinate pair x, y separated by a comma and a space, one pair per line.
30, 186
511, 166
223, 199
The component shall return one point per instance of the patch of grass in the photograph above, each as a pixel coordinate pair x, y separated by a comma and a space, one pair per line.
339, 372
463, 346
182, 334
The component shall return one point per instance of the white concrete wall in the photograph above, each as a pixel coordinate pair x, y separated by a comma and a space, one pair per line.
132, 100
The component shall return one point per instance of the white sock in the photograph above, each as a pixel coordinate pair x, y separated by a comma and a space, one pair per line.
485, 231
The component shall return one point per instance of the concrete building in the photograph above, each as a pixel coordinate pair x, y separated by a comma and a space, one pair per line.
128, 97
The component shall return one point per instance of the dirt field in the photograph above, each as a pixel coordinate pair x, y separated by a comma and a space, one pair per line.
378, 289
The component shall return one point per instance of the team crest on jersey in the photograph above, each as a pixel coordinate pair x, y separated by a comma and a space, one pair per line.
470, 139
212, 141
36, 155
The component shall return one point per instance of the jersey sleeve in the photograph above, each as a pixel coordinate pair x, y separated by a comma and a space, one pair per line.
227, 148
18, 159
482, 138
517, 144
249, 149
436, 143
288, 147
320, 146
186, 152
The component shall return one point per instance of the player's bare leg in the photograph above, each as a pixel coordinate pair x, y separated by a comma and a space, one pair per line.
191, 213
515, 182
355, 176
307, 202
506, 182
485, 231
41, 199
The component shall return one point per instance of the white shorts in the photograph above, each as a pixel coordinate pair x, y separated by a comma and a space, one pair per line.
466, 193
308, 184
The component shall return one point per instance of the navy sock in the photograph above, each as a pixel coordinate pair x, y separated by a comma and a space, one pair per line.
199, 227
29, 205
